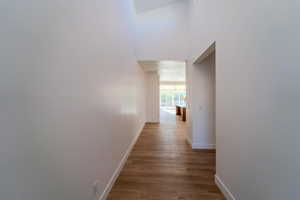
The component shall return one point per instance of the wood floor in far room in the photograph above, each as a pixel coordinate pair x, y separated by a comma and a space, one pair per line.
162, 166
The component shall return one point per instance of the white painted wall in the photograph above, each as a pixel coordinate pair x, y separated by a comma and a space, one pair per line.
203, 104
152, 97
188, 86
72, 96
145, 5
257, 92
68, 76
162, 33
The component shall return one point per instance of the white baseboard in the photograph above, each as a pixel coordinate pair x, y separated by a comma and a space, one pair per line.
203, 146
226, 192
152, 122
120, 166
188, 139
200, 145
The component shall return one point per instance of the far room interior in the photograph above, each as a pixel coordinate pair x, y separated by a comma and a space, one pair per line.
166, 90
172, 90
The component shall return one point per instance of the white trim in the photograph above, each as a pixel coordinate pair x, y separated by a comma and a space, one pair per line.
226, 192
200, 145
116, 174
203, 146
206, 53
188, 139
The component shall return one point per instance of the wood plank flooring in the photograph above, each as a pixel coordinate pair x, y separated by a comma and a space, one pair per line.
162, 166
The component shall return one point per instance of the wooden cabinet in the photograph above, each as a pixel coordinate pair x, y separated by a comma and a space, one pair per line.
181, 110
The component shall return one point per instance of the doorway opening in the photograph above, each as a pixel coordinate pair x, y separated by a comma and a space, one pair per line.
172, 89
172, 97
204, 101
165, 89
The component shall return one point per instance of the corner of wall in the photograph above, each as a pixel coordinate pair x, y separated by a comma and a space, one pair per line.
188, 139
203, 146
224, 189
121, 165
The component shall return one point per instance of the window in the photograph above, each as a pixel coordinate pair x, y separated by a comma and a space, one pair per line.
171, 95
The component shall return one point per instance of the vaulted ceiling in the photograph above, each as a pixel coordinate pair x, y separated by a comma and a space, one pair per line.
144, 5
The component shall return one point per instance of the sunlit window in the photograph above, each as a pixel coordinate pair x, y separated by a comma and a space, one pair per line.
172, 95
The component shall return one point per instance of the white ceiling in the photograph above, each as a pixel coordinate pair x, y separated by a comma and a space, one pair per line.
168, 70
144, 5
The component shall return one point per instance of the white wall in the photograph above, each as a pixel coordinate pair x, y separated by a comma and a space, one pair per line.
152, 97
68, 75
257, 92
72, 96
162, 33
144, 5
203, 104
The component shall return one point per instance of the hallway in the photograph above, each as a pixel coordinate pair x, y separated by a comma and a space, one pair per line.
162, 166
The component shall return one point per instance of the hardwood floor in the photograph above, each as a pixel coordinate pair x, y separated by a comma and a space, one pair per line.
162, 166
